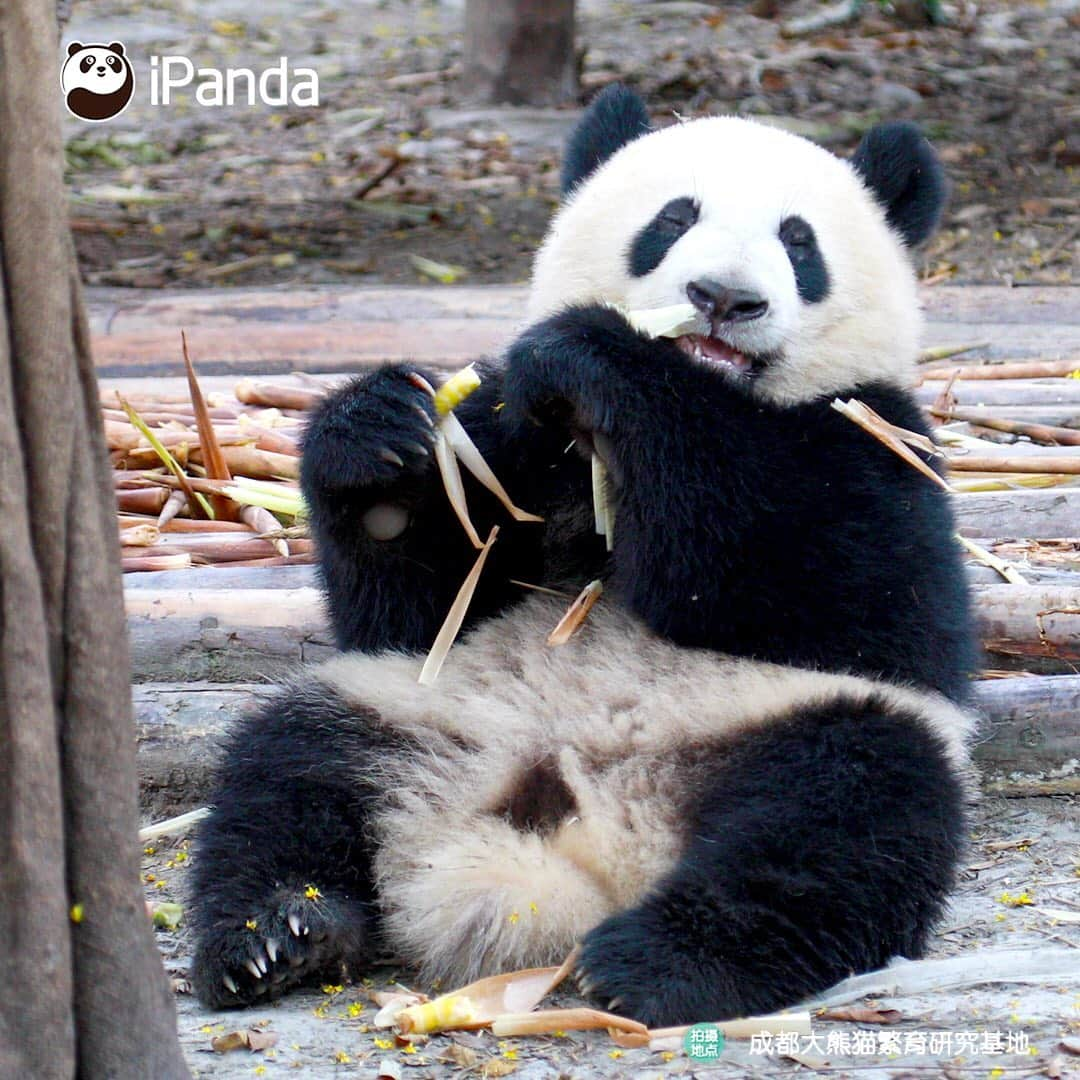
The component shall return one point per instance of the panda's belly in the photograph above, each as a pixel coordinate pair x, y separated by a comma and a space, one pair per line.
550, 787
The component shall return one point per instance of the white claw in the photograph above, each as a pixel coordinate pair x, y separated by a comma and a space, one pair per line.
230, 984
251, 966
271, 950
294, 925
614, 1003
260, 962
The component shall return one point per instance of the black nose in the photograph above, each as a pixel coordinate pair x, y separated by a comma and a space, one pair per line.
723, 304
101, 71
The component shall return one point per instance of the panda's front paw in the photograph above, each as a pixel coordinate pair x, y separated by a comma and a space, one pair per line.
575, 369
638, 964
297, 934
376, 431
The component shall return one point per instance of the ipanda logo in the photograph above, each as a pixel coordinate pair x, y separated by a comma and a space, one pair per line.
98, 82
277, 85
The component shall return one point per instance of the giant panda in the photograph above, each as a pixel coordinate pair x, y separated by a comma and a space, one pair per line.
746, 776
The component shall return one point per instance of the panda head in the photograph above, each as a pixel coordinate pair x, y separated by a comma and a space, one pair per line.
797, 261
97, 80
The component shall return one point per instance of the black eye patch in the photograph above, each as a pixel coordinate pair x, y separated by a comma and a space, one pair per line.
87, 62
658, 237
800, 243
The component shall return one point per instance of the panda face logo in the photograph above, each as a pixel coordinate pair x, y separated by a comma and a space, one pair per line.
97, 81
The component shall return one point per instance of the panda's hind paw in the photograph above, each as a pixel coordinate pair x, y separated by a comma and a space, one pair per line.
633, 964
239, 962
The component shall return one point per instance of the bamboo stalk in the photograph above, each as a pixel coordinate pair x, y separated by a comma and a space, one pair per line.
250, 461
131, 564
173, 505
147, 500
183, 524
1042, 433
305, 559
270, 439
260, 520
1020, 369
216, 466
1015, 463
274, 396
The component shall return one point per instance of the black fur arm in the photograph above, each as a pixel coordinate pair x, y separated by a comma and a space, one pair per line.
784, 533
368, 464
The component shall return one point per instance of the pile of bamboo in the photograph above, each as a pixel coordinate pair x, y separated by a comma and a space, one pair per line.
209, 481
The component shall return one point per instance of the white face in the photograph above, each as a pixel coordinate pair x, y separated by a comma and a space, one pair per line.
737, 197
99, 70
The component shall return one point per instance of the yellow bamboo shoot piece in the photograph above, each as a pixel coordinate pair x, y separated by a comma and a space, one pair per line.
486, 1000
455, 390
447, 1012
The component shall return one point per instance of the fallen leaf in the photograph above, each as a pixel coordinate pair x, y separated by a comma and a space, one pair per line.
252, 1039
497, 1067
462, 1056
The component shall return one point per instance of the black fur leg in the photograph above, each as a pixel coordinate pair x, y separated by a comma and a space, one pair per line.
823, 845
281, 878
293, 934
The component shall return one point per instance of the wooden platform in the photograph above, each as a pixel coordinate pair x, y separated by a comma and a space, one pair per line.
203, 643
342, 329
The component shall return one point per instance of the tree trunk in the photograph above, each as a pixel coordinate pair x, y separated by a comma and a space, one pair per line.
83, 992
520, 52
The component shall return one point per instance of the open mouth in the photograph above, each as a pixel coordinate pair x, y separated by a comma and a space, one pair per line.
713, 351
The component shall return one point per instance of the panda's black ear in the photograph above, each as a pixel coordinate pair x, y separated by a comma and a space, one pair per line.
74, 47
116, 47
615, 117
902, 170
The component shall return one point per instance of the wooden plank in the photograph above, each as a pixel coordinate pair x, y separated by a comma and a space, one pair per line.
346, 328
190, 635
1029, 738
228, 635
1034, 515
1030, 733
984, 392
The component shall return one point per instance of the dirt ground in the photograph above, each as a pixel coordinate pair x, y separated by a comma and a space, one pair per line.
188, 195
1020, 889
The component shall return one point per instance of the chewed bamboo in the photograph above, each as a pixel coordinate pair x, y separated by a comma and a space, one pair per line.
455, 616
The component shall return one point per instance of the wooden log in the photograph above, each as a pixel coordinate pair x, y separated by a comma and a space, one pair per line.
1044, 434
177, 729
236, 634
1055, 415
223, 636
1022, 462
1029, 739
1034, 515
228, 578
1030, 623
1005, 392
1021, 369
